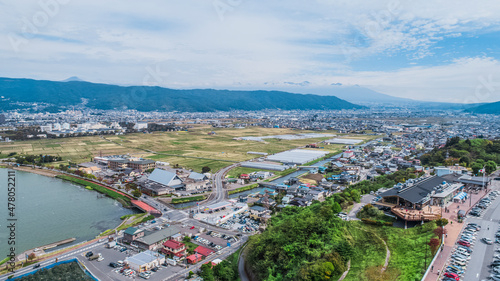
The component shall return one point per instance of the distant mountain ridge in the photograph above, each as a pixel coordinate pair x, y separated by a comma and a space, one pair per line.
365, 96
488, 108
144, 98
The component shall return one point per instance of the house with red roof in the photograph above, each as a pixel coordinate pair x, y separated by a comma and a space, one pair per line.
194, 258
203, 251
174, 247
244, 177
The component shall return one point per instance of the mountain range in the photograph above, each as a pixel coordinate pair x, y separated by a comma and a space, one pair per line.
488, 108
17, 92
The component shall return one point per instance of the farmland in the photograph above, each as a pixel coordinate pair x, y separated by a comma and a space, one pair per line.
193, 149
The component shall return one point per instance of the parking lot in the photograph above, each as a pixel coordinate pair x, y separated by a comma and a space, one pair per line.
477, 243
103, 271
242, 222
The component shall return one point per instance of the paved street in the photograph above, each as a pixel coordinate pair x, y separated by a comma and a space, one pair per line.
481, 252
66, 256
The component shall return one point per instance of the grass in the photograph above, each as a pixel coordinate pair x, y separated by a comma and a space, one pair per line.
407, 247
124, 217
190, 246
4, 260
68, 271
188, 199
98, 188
322, 158
369, 251
235, 172
244, 188
139, 218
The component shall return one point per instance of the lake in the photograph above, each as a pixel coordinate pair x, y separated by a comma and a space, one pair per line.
49, 210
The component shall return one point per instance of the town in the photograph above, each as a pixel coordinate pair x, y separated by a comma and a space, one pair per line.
233, 140
198, 213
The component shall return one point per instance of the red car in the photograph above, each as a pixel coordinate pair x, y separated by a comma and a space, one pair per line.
464, 243
452, 275
192, 227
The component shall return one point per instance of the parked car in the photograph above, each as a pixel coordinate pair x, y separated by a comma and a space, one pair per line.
487, 241
464, 243
452, 275
88, 254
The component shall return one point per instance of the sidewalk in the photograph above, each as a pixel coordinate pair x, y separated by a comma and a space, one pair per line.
453, 230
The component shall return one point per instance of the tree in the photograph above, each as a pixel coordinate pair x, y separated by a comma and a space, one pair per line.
336, 208
207, 273
452, 141
205, 169
440, 231
476, 167
434, 244
186, 239
441, 222
31, 256
190, 274
136, 193
490, 167
465, 159
355, 195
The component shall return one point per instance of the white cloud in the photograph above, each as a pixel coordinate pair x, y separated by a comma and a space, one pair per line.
465, 80
256, 42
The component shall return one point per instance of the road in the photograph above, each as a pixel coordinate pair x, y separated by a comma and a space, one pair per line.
66, 256
482, 254
241, 266
220, 194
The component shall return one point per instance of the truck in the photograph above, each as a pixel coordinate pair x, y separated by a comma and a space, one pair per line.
94, 257
111, 244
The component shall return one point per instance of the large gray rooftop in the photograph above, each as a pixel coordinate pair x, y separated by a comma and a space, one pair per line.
297, 156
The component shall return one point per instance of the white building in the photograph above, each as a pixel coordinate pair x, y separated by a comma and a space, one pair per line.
46, 128
144, 261
56, 127
140, 126
348, 154
66, 126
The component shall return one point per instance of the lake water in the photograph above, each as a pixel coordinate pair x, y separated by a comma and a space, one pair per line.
49, 210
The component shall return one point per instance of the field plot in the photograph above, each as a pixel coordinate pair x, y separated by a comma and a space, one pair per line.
194, 149
77, 149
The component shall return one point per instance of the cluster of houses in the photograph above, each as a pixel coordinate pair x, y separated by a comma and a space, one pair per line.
161, 246
162, 182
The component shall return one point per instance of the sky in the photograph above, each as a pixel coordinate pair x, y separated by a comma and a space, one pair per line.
441, 50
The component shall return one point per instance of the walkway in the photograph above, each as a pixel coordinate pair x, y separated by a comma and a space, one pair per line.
345, 272
453, 231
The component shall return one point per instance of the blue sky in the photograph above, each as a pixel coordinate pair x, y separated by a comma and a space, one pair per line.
444, 50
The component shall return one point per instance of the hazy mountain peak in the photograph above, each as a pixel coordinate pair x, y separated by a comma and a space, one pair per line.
72, 79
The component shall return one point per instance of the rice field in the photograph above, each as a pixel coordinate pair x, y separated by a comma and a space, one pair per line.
191, 149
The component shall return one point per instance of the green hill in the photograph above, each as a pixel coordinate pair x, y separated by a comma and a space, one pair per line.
489, 108
59, 95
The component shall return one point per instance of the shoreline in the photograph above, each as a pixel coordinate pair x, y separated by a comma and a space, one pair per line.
38, 171
41, 249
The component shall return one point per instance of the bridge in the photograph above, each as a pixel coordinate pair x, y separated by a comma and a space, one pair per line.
146, 208
267, 184
307, 167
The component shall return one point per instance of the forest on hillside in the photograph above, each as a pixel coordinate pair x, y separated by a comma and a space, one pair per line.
474, 154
